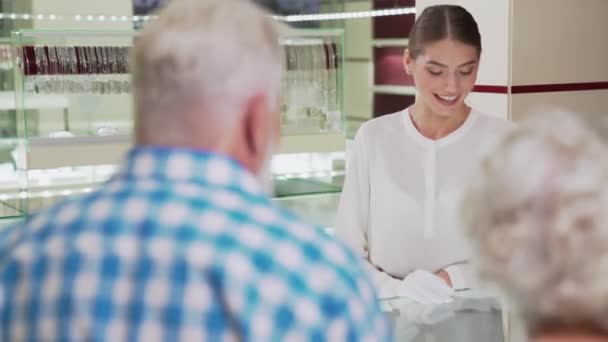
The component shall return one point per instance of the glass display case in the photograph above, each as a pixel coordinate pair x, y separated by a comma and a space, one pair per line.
73, 118
471, 316
73, 111
309, 168
9, 194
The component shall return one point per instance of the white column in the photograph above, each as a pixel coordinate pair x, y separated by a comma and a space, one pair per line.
358, 67
560, 42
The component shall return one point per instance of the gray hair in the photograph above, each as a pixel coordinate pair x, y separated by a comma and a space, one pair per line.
538, 216
204, 56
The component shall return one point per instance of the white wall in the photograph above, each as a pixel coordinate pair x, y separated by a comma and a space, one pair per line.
594, 103
560, 41
493, 104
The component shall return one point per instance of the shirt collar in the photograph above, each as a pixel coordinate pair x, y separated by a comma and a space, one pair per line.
448, 139
189, 165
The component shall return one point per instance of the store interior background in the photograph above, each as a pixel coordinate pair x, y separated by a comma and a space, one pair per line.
537, 54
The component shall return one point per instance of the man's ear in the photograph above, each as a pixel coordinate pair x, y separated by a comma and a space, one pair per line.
257, 130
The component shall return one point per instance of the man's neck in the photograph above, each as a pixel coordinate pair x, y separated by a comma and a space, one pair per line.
569, 337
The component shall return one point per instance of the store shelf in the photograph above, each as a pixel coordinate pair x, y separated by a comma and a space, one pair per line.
294, 187
8, 221
388, 42
313, 143
7, 101
10, 210
290, 33
394, 90
49, 153
50, 167
46, 153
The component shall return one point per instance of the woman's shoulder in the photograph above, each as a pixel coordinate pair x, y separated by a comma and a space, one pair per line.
490, 129
491, 122
382, 125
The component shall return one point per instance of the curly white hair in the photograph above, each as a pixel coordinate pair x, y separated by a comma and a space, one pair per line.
538, 216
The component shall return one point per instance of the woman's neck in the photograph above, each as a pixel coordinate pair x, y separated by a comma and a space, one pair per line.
435, 126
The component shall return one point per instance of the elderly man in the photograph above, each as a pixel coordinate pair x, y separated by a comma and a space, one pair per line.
184, 242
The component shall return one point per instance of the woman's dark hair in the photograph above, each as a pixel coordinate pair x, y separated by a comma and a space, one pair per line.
443, 21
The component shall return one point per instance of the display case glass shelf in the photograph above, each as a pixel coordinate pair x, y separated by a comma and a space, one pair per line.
72, 105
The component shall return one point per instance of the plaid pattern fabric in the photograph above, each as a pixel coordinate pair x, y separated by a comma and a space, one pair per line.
180, 245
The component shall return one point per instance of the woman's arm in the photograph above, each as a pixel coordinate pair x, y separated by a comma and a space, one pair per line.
352, 218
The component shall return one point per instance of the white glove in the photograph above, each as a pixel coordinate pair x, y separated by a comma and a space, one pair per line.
425, 288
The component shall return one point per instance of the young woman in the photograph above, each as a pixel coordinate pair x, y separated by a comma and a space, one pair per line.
400, 203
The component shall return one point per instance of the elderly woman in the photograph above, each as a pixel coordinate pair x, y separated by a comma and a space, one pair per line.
538, 217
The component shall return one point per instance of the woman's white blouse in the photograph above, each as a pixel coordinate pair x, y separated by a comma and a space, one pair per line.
400, 205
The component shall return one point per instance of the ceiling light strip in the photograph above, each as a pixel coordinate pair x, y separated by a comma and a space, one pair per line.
288, 18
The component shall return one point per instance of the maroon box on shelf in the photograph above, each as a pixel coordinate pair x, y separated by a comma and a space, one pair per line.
388, 60
394, 26
384, 4
389, 103
388, 67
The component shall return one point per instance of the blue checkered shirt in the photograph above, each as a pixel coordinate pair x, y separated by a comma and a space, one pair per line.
180, 245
